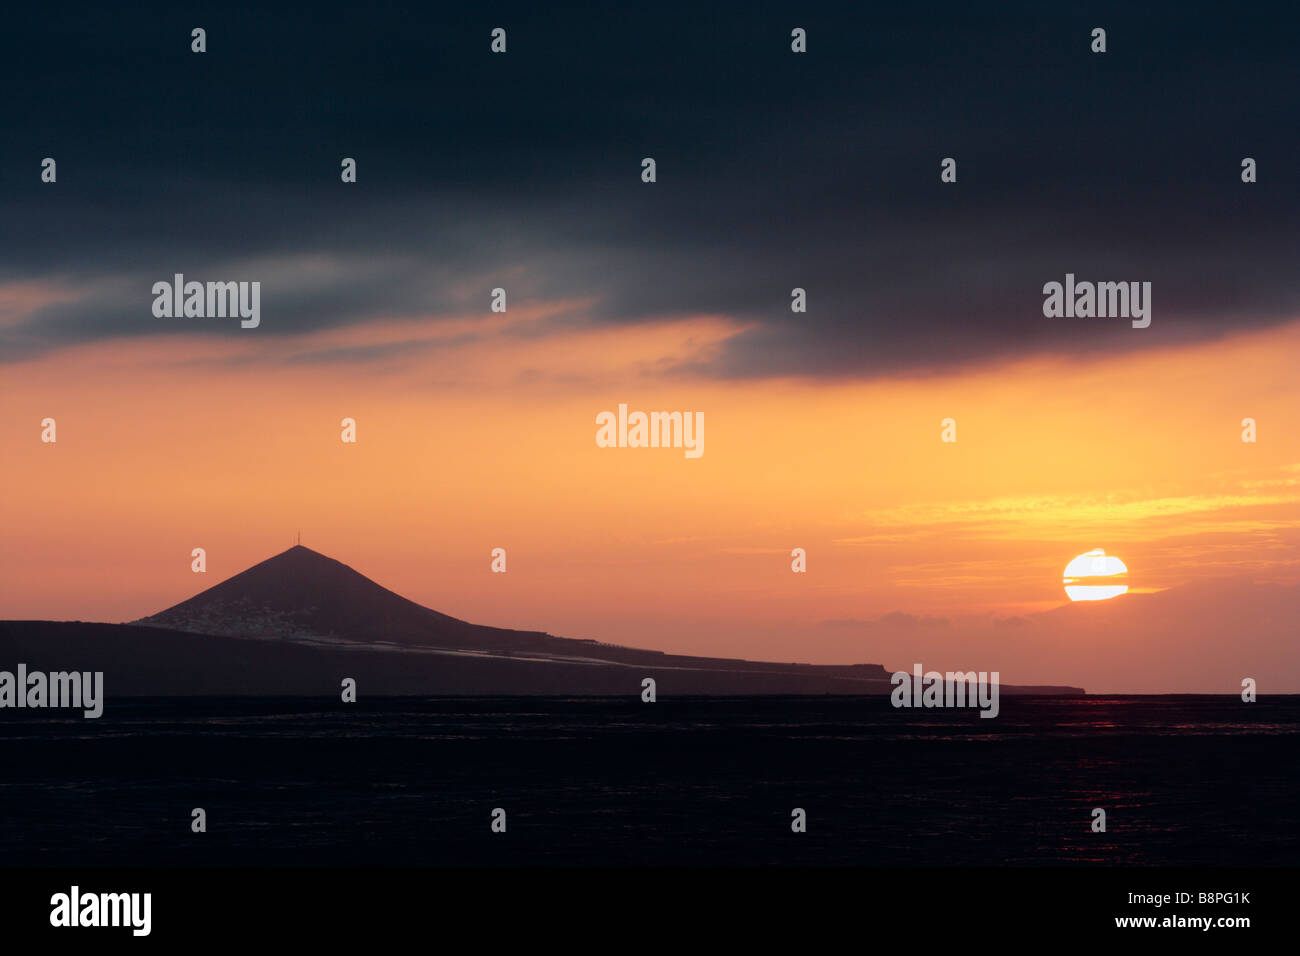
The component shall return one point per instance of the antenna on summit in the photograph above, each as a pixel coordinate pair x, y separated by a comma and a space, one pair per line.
300, 538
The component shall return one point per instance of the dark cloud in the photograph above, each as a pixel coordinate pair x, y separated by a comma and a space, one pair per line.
775, 170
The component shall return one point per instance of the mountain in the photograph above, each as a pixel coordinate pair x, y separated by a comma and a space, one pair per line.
299, 622
301, 593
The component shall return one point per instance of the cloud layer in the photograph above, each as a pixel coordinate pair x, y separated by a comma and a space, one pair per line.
775, 170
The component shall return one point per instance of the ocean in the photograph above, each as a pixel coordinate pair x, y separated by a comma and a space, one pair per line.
1183, 781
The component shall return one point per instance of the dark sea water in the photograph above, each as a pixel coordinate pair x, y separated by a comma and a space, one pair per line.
1183, 780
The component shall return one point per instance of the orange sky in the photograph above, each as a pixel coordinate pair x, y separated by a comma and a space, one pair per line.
477, 434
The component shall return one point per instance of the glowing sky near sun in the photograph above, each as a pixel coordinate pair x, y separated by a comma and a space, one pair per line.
466, 444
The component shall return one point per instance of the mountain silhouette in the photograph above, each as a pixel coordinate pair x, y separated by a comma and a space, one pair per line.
301, 593
299, 622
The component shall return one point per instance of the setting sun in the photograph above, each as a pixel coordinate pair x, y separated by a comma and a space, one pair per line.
1095, 576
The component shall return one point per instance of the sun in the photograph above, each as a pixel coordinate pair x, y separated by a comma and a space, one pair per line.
1095, 576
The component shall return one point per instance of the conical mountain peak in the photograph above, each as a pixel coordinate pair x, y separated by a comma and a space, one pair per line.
301, 593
